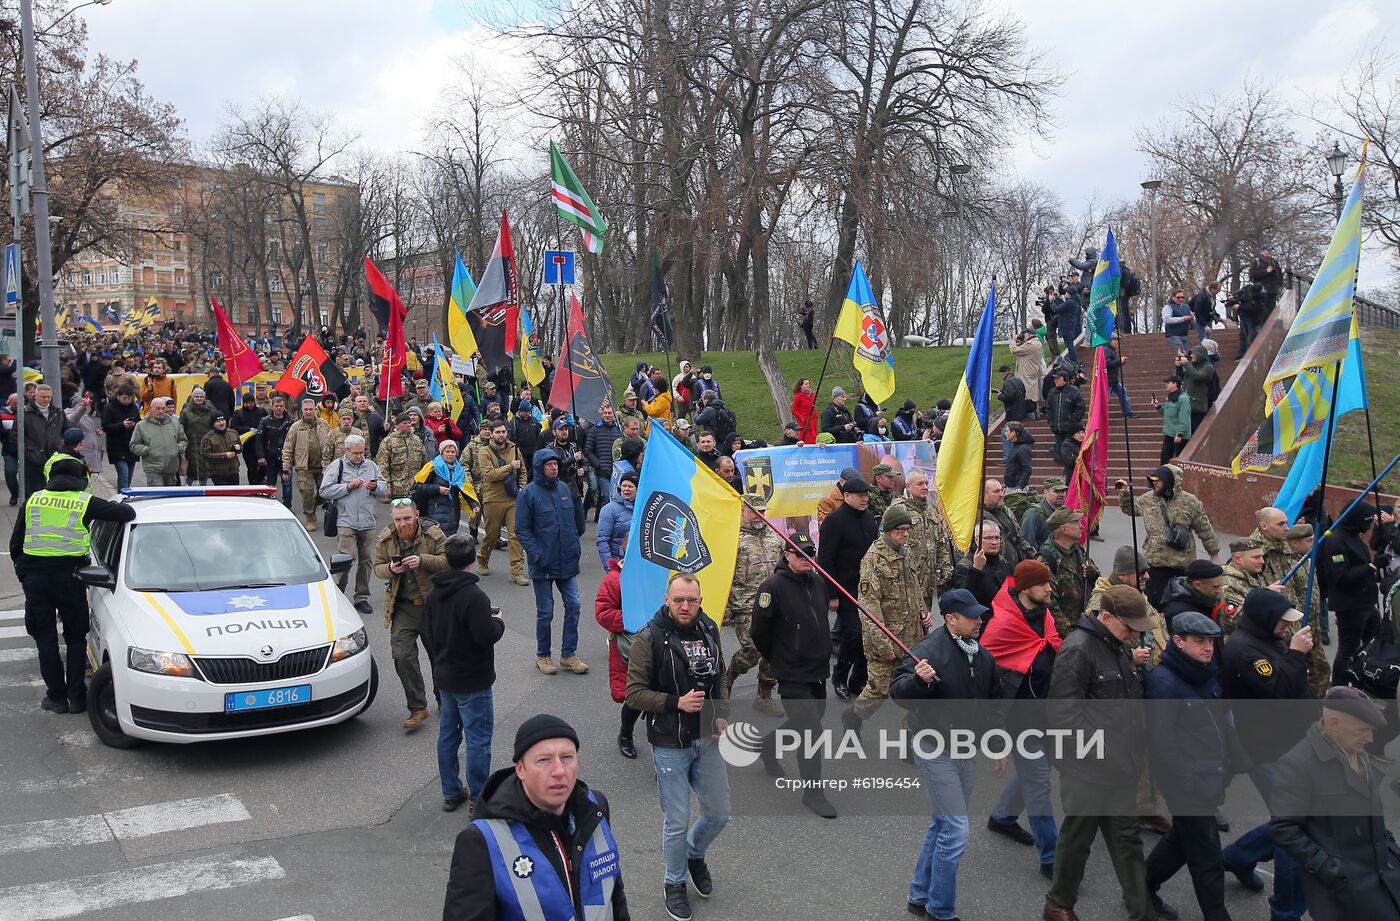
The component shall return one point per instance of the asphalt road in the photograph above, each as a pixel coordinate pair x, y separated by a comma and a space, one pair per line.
345, 822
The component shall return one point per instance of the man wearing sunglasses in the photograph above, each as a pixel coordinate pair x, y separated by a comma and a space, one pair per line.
406, 555
673, 676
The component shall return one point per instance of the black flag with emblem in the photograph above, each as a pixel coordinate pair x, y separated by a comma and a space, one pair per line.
581, 386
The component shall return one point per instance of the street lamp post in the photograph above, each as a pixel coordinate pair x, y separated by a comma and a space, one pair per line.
1337, 164
1152, 185
958, 170
39, 190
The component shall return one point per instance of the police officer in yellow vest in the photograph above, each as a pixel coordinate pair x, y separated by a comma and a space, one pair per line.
72, 448
49, 544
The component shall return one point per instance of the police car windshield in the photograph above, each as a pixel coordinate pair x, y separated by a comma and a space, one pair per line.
200, 556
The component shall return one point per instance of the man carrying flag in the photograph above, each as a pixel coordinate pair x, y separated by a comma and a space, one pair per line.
240, 362
573, 203
492, 310
861, 325
958, 477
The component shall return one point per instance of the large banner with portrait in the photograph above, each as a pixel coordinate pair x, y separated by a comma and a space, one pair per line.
793, 479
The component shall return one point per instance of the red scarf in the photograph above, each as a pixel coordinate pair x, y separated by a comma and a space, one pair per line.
1009, 637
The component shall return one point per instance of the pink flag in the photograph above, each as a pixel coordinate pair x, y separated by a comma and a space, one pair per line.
1090, 478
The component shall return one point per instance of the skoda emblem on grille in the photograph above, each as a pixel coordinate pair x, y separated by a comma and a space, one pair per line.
265, 652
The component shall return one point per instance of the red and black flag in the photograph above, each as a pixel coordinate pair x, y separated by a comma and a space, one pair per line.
383, 297
493, 312
580, 386
311, 372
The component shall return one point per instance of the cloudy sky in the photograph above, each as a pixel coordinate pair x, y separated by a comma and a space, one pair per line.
377, 67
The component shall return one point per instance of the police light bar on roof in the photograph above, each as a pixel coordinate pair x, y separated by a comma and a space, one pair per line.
136, 493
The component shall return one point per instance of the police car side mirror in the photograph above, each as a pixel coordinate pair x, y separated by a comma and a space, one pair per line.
97, 576
340, 563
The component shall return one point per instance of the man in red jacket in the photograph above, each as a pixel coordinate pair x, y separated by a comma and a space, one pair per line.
1022, 638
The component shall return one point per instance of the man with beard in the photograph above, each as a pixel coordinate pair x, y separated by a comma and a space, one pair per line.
1034, 527
500, 470
246, 419
304, 452
1173, 518
406, 555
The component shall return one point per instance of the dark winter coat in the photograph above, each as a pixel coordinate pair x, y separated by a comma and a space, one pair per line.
1188, 727
1071, 314
1257, 665
1013, 396
955, 678
471, 887
597, 447
1096, 686
549, 523
789, 625
1332, 822
658, 675
1066, 409
219, 394
834, 419
1352, 582
845, 536
118, 435
461, 632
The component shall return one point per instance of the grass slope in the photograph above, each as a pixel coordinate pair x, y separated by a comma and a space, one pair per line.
924, 375
1351, 457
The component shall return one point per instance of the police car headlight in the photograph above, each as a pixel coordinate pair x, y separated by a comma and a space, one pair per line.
347, 646
176, 664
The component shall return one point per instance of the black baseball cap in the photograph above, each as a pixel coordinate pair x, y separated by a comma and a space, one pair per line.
960, 601
802, 544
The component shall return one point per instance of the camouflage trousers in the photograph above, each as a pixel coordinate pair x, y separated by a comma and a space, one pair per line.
1319, 669
747, 655
878, 675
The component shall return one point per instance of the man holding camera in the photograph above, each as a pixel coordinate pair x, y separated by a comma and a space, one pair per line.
673, 673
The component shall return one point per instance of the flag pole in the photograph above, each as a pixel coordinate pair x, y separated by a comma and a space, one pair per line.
1371, 447
816, 391
1322, 488
1318, 537
1128, 452
875, 621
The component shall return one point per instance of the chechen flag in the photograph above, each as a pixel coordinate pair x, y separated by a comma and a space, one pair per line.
240, 362
311, 372
383, 298
572, 202
492, 312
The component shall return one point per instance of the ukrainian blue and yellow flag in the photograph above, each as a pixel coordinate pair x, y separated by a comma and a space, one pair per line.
957, 476
686, 520
1103, 295
459, 331
1306, 472
89, 324
442, 387
530, 365
861, 325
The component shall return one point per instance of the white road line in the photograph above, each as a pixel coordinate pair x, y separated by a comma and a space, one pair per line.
122, 824
298, 918
18, 655
12, 616
9, 633
84, 895
84, 778
20, 681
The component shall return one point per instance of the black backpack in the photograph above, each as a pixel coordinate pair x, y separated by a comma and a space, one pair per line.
1375, 668
1213, 387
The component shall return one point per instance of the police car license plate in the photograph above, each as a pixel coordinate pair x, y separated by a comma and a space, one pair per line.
271, 697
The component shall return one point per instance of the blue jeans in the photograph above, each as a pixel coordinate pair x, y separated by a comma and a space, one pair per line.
949, 784
544, 615
474, 714
123, 469
1005, 447
697, 767
1201, 332
1257, 846
1123, 400
602, 484
1069, 348
12, 475
1029, 791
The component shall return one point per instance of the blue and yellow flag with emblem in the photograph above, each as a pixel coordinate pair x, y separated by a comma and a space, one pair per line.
861, 325
1102, 314
686, 519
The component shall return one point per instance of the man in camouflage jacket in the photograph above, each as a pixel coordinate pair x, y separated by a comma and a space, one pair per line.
882, 493
400, 456
890, 591
1069, 561
760, 549
928, 549
1243, 574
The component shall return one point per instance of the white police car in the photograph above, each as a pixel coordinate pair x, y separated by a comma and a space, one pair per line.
214, 617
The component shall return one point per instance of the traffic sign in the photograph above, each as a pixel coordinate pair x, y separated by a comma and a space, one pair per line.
12, 275
558, 267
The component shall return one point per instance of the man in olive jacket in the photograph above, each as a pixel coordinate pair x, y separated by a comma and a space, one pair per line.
1097, 686
406, 555
1167, 503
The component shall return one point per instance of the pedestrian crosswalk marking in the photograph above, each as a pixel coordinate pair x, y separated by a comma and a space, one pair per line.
18, 655
9, 633
12, 616
20, 681
122, 824
85, 895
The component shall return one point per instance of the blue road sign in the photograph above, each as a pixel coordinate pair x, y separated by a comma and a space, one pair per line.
558, 267
11, 274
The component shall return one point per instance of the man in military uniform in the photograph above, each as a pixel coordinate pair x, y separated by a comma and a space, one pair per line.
928, 548
48, 545
1129, 568
401, 455
881, 490
1014, 548
1069, 561
760, 549
1035, 527
1300, 542
1243, 574
890, 591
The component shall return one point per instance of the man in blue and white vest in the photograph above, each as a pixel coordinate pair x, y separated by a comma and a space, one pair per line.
541, 848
